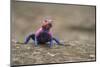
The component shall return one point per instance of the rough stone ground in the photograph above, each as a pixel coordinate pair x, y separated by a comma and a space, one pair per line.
72, 51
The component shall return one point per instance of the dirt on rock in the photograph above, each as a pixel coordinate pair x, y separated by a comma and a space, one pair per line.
72, 51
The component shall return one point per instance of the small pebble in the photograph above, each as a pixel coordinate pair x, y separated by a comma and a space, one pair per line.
28, 47
51, 54
92, 56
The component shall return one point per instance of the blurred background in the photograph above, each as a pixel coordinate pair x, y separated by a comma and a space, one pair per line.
70, 21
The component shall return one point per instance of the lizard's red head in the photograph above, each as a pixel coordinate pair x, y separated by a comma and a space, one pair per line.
47, 23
